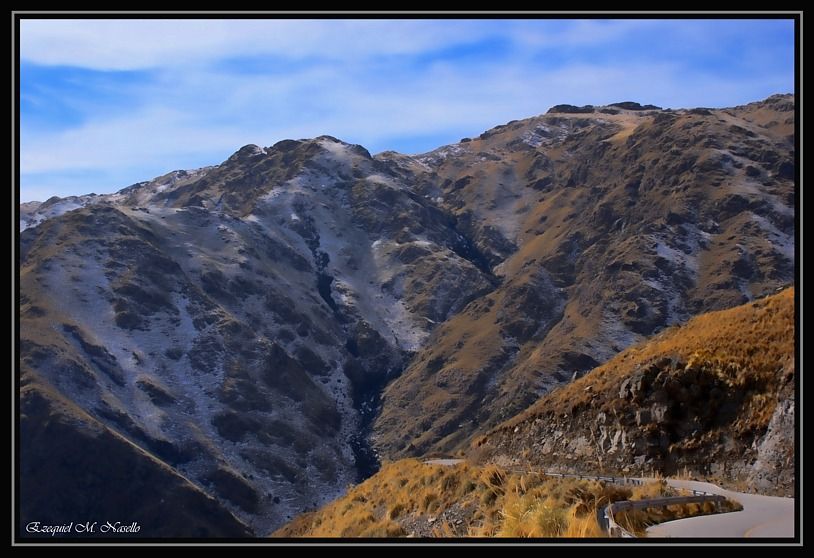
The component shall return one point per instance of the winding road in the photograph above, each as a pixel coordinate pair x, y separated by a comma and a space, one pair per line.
762, 516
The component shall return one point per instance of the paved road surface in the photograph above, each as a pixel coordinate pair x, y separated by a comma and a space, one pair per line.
762, 516
444, 462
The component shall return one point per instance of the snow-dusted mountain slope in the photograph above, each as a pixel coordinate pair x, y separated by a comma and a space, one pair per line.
238, 322
229, 331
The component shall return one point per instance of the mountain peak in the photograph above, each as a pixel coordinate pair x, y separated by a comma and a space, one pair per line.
342, 149
247, 151
590, 109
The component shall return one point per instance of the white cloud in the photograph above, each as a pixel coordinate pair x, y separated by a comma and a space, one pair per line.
583, 32
120, 142
232, 110
143, 44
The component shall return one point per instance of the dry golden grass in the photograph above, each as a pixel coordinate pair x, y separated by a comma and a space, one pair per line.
749, 347
408, 497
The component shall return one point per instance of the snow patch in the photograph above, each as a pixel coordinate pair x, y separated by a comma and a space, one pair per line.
52, 210
547, 134
379, 179
338, 151
615, 333
780, 241
407, 334
434, 158
677, 257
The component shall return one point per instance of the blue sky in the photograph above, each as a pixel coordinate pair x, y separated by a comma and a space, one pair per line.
107, 103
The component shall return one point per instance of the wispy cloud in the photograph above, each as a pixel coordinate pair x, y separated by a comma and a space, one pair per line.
140, 44
108, 103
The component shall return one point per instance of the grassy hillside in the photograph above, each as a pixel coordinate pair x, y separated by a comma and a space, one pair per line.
707, 398
411, 498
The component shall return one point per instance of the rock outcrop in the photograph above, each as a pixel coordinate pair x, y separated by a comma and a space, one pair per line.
712, 399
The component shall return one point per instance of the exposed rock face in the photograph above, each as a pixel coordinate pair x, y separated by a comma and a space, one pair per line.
713, 398
571, 109
631, 105
773, 469
237, 324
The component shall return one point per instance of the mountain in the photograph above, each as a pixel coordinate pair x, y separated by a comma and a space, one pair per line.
236, 332
713, 398
602, 228
236, 323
